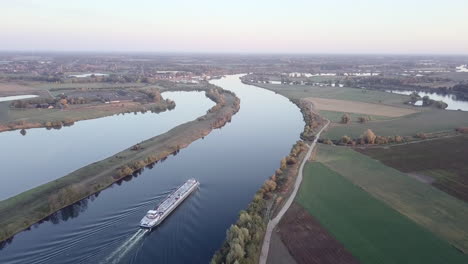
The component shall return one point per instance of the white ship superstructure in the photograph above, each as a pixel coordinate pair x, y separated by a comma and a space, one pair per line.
156, 216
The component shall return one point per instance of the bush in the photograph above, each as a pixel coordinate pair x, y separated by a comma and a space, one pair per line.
345, 119
124, 171
269, 186
363, 119
345, 139
381, 140
421, 135
463, 130
290, 160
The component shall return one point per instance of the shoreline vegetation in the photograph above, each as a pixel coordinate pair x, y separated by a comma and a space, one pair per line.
21, 211
244, 239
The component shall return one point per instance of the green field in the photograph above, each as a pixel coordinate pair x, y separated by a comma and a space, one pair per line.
430, 207
372, 231
341, 93
335, 116
423, 122
447, 166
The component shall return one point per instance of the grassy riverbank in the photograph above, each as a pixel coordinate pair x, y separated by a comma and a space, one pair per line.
21, 211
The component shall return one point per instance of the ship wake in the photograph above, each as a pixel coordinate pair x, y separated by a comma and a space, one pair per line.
117, 255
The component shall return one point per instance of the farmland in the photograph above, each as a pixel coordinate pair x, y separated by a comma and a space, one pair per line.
431, 208
405, 120
430, 121
359, 107
371, 230
443, 160
308, 241
339, 93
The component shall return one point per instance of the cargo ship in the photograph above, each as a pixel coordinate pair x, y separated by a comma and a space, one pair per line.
155, 216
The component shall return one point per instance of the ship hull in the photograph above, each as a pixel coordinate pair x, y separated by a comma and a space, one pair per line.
149, 224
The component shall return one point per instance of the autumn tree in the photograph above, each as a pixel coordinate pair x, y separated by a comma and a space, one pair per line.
363, 119
345, 119
345, 139
269, 186
369, 137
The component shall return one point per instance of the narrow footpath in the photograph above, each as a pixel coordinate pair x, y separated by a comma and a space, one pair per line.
273, 222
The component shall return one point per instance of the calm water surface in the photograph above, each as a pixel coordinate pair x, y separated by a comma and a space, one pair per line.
43, 155
449, 99
231, 163
16, 97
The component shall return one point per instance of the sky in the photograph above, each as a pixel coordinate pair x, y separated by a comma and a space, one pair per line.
241, 26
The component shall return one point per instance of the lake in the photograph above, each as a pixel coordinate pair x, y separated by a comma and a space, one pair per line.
449, 99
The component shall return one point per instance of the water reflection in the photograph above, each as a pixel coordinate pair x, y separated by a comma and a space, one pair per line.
34, 150
453, 101
231, 164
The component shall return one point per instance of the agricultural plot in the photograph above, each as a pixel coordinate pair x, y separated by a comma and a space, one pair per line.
309, 242
442, 160
358, 107
429, 207
339, 93
430, 121
371, 230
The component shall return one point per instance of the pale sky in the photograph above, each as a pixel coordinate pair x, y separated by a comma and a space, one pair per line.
255, 26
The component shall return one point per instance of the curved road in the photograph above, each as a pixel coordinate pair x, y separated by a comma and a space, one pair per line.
273, 222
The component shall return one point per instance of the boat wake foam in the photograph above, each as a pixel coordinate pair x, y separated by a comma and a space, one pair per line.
123, 249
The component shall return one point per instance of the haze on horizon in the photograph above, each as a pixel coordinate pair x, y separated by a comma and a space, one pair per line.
296, 26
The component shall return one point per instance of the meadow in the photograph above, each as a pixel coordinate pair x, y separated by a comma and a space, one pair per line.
371, 230
430, 121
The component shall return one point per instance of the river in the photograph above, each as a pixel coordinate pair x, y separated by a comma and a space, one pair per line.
44, 155
231, 163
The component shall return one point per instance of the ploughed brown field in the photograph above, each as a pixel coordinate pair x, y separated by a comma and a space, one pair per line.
308, 242
440, 162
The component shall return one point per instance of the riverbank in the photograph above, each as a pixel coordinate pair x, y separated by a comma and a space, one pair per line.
21, 211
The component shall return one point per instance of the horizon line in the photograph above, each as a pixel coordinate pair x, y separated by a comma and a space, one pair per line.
129, 52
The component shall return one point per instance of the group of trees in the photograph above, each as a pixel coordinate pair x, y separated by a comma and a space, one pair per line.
244, 239
33, 103
346, 119
368, 137
154, 95
61, 101
429, 102
463, 130
312, 120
